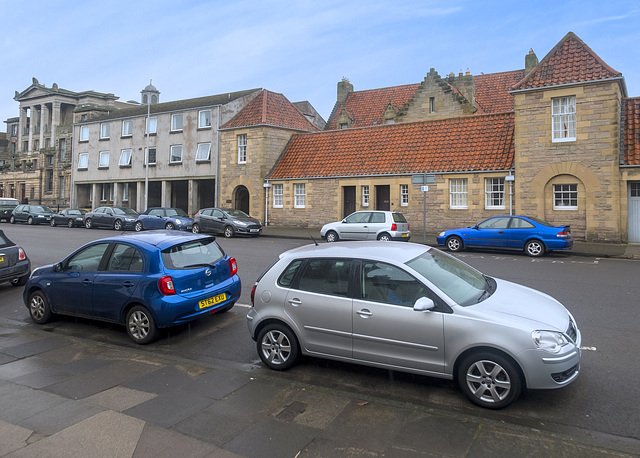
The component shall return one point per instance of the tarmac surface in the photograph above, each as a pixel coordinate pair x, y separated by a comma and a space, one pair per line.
64, 396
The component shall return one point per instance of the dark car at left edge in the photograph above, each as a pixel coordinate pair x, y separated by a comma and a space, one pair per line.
143, 280
15, 266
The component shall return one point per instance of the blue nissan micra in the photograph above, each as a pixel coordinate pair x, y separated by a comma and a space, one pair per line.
146, 281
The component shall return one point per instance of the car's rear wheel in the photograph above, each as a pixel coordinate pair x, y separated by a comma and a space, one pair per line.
117, 225
141, 326
277, 347
195, 228
332, 236
489, 379
454, 243
12, 220
169, 226
69, 223
384, 237
30, 221
228, 232
88, 223
53, 222
138, 226
534, 248
39, 308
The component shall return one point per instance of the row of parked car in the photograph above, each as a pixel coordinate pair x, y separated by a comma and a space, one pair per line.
229, 222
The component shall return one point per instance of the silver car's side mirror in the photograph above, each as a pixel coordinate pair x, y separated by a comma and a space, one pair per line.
424, 304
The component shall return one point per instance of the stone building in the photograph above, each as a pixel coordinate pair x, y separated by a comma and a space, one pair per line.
558, 140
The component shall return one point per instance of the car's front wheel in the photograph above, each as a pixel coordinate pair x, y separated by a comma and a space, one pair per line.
53, 222
195, 228
489, 379
454, 243
88, 223
39, 308
228, 232
69, 223
277, 347
138, 226
141, 326
534, 248
332, 236
117, 225
169, 226
30, 221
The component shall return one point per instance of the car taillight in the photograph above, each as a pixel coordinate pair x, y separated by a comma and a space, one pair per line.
562, 234
197, 213
394, 227
253, 293
166, 286
21, 255
233, 266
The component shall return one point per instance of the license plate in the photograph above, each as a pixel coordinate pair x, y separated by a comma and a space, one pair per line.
1, 258
254, 230
405, 235
212, 301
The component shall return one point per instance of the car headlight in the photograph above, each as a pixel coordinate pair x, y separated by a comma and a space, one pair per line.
550, 341
130, 219
40, 216
241, 223
441, 234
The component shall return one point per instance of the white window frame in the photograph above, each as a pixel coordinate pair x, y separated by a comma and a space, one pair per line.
84, 133
177, 122
146, 155
125, 158
563, 119
103, 161
299, 195
458, 193
125, 192
204, 121
61, 187
105, 130
404, 195
365, 195
494, 193
278, 195
106, 192
83, 161
127, 128
151, 125
204, 152
242, 149
565, 196
173, 153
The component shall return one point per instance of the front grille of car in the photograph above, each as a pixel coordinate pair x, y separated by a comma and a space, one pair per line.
572, 331
562, 376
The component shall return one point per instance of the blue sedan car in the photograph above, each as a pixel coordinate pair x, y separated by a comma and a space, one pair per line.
163, 218
145, 281
533, 235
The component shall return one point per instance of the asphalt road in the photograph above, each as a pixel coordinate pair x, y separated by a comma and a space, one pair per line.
602, 294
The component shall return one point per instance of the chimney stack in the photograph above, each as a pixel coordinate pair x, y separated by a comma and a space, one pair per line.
530, 62
344, 89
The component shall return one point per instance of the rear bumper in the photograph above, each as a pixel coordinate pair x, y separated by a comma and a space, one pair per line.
21, 269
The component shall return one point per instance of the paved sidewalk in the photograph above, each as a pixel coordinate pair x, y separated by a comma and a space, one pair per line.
63, 396
602, 250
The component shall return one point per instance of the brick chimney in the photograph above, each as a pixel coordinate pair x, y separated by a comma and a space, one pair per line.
530, 62
344, 89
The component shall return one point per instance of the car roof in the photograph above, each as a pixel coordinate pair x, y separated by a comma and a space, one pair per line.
393, 252
161, 239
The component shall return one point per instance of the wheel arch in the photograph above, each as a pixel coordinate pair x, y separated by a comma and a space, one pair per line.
268, 321
489, 349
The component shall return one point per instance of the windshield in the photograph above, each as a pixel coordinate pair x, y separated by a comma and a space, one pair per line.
237, 213
42, 209
176, 212
458, 280
124, 211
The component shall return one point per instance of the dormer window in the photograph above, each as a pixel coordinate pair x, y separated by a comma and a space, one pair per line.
343, 125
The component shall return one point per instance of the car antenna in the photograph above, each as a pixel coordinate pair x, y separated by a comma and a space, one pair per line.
311, 236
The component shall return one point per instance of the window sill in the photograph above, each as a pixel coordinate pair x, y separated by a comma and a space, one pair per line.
103, 168
176, 131
126, 136
175, 163
124, 166
104, 139
80, 169
565, 209
203, 161
204, 128
563, 140
151, 165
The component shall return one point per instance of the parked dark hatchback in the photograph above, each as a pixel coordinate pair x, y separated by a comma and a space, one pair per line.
144, 280
7, 204
227, 221
15, 266
163, 218
31, 214
71, 217
118, 218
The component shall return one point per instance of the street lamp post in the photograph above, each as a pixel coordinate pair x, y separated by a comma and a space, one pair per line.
146, 155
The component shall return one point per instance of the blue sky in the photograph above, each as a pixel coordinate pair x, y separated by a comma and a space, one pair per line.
195, 48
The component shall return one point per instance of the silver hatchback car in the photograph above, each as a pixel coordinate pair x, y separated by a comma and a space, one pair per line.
368, 225
413, 308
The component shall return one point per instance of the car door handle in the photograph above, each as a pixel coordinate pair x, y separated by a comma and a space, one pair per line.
128, 283
87, 282
295, 301
500, 232
364, 313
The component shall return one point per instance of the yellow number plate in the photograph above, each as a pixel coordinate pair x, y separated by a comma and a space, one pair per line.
1, 258
405, 235
212, 300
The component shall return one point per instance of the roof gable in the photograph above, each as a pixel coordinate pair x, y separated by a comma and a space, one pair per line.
631, 132
471, 143
570, 61
272, 109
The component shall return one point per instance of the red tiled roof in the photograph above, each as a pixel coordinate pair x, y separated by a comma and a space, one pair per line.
367, 107
570, 61
492, 91
631, 131
272, 109
473, 143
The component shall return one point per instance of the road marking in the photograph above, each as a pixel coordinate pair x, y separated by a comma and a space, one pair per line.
588, 348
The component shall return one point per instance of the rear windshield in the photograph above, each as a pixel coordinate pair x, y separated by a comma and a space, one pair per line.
4, 241
192, 255
399, 218
541, 221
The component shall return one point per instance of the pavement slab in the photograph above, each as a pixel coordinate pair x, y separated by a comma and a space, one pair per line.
119, 398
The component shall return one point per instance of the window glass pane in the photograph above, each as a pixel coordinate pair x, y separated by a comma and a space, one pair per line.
88, 259
125, 259
127, 128
383, 282
176, 153
125, 157
565, 196
152, 155
83, 160
277, 195
176, 122
203, 152
299, 197
494, 192
84, 133
242, 149
563, 114
204, 118
458, 193
326, 276
104, 159
104, 130
152, 125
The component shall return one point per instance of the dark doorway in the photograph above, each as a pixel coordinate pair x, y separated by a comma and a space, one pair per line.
206, 193
155, 194
349, 200
180, 194
241, 200
383, 198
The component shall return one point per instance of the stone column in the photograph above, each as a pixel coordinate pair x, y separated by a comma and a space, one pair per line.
166, 189
55, 119
140, 197
42, 120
